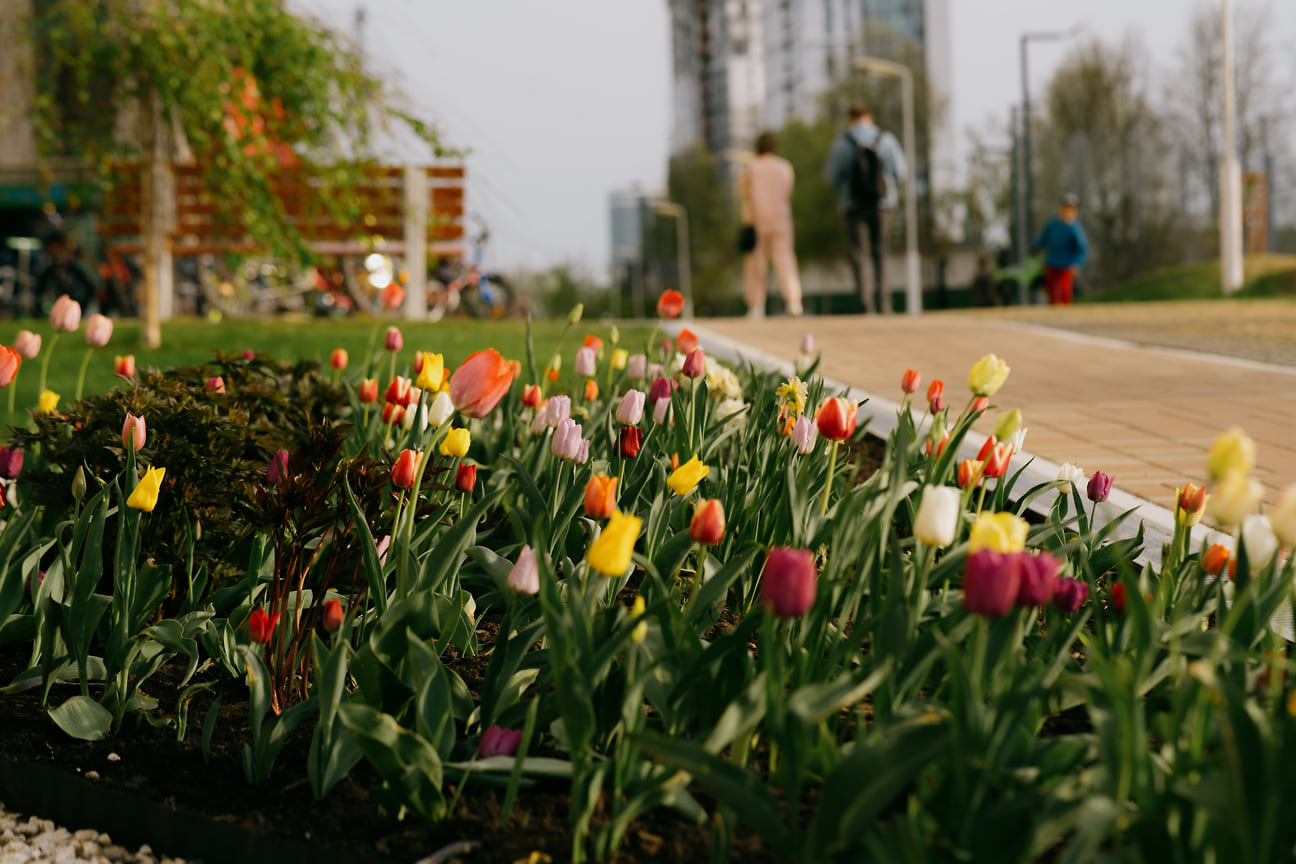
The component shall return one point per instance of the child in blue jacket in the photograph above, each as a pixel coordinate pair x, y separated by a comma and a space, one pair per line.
1065, 250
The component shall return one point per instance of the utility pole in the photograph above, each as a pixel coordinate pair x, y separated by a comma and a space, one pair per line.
1230, 211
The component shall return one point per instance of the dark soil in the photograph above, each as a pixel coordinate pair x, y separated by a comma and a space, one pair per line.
154, 765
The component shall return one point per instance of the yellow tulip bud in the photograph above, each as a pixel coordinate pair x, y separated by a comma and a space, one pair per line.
145, 495
456, 443
1002, 532
432, 375
686, 477
610, 553
1233, 451
1008, 425
636, 611
619, 359
987, 376
48, 402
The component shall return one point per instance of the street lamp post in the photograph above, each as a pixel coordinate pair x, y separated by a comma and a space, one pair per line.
913, 264
1230, 208
1027, 214
683, 261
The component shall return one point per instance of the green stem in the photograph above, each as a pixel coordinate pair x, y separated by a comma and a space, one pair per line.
81, 376
45, 359
832, 468
13, 389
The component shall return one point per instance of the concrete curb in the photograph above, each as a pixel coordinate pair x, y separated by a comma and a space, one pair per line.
882, 414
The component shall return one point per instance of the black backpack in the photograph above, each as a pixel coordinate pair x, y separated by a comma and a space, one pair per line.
867, 182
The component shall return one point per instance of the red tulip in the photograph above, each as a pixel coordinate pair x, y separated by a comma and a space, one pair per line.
1214, 559
339, 358
124, 366
400, 391
261, 626
991, 582
1118, 597
708, 524
531, 395
837, 418
969, 473
911, 381
936, 395
334, 615
393, 296
986, 449
10, 360
686, 342
695, 364
997, 464
1192, 498
392, 414
216, 385
480, 382
369, 390
402, 474
393, 340
670, 304
466, 477
631, 441
788, 581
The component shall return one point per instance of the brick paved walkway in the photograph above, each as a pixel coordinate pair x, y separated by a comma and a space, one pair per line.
1146, 415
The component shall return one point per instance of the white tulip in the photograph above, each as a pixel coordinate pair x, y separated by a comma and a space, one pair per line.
1259, 540
440, 410
938, 515
1283, 516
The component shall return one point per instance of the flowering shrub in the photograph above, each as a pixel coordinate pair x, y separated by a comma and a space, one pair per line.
691, 584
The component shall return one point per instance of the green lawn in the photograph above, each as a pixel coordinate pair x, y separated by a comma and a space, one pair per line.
190, 342
1264, 276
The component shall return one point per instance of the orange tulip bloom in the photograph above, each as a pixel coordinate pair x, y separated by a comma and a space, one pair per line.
368, 390
969, 473
480, 383
10, 360
124, 365
911, 381
402, 474
670, 304
1214, 559
338, 359
592, 341
600, 496
591, 390
708, 524
686, 342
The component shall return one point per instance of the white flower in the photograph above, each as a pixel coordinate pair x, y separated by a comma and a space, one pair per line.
440, 409
938, 515
1259, 540
729, 407
1072, 474
1018, 440
1283, 516
524, 578
1236, 497
541, 420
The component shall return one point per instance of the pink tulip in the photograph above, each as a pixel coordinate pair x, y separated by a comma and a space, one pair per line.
27, 343
11, 462
1069, 594
215, 385
394, 341
480, 383
66, 314
630, 411
1099, 486
991, 582
695, 364
586, 362
1038, 580
498, 741
278, 470
558, 410
98, 330
788, 582
134, 433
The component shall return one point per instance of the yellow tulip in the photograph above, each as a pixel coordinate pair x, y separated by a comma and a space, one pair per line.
987, 376
1233, 451
685, 478
432, 376
1236, 497
636, 611
48, 402
456, 442
1002, 532
146, 491
619, 358
610, 553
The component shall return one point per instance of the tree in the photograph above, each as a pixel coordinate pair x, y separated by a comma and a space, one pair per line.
701, 183
1104, 139
242, 84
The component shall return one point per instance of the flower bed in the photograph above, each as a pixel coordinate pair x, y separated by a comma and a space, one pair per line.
628, 605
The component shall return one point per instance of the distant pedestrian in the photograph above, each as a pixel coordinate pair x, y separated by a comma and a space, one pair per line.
865, 166
1065, 250
765, 188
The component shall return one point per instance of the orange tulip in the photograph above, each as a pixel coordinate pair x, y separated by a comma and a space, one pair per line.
124, 365
686, 342
480, 383
670, 304
592, 341
338, 360
531, 395
368, 390
402, 474
837, 418
591, 389
10, 360
969, 473
1214, 559
600, 496
708, 524
911, 381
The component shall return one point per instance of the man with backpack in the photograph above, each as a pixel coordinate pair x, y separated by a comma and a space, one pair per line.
865, 166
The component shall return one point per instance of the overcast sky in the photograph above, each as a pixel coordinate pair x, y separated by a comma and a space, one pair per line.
560, 102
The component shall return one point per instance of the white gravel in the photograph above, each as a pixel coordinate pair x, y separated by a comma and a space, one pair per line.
29, 839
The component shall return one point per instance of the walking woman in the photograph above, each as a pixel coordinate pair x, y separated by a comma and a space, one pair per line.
765, 187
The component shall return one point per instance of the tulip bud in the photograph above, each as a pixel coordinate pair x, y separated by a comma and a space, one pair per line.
134, 433
582, 451
524, 577
79, 484
496, 740
837, 418
996, 465
936, 395
466, 477
591, 390
630, 410
10, 361
1232, 452
987, 376
559, 410
540, 422
600, 496
1018, 440
11, 462
1192, 497
695, 364
911, 381
807, 343
393, 341
940, 445
66, 314
249, 354
393, 414
402, 474
638, 367
788, 582
991, 582
338, 360
278, 471
662, 411
1282, 516
1118, 598
1099, 487
431, 371
574, 316
686, 342
1008, 424
27, 343
938, 516
1002, 532
1069, 594
124, 365
1259, 541
334, 615
531, 395
969, 473
216, 385
1038, 580
456, 443
566, 439
368, 390
804, 435
620, 357
1214, 559
637, 609
261, 626
708, 524
441, 409
586, 362
631, 439
980, 404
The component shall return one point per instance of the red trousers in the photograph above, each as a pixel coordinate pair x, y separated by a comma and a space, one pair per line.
1058, 280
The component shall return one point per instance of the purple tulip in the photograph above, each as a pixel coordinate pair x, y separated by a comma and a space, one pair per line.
991, 581
498, 741
661, 389
278, 471
1069, 594
1038, 579
1099, 487
788, 582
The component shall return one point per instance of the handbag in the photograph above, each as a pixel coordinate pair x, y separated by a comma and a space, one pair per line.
746, 238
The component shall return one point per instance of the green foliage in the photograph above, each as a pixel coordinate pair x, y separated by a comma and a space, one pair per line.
700, 182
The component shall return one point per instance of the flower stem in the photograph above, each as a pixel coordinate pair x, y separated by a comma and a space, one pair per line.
13, 389
832, 468
81, 376
45, 359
